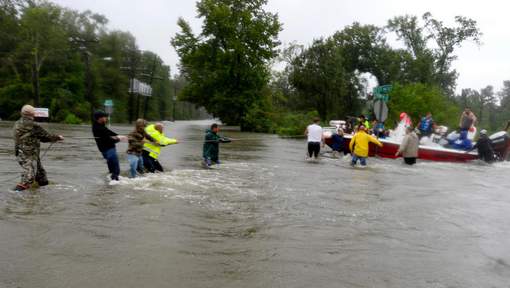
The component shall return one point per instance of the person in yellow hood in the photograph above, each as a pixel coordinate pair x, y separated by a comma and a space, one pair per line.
359, 146
151, 151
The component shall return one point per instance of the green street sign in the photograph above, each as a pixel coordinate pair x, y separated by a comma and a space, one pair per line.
108, 102
382, 92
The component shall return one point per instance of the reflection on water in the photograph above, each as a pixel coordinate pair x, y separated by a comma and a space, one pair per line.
265, 218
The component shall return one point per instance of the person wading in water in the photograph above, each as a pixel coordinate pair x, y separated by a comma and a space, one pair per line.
211, 149
28, 136
136, 140
409, 147
106, 140
315, 138
151, 151
359, 146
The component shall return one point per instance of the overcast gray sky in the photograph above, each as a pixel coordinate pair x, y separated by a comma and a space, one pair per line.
153, 23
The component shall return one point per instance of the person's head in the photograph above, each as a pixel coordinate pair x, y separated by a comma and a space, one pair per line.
483, 133
362, 128
28, 111
140, 125
100, 117
159, 127
429, 114
409, 129
215, 128
316, 120
340, 131
467, 110
362, 117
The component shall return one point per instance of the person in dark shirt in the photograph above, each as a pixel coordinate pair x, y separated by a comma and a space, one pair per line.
484, 146
106, 140
338, 143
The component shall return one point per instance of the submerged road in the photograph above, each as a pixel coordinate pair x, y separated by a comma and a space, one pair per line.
265, 218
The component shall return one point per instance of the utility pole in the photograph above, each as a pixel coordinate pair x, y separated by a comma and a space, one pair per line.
86, 54
132, 75
88, 82
174, 99
35, 78
151, 79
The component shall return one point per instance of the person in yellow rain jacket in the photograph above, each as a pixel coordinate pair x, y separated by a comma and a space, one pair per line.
152, 151
359, 146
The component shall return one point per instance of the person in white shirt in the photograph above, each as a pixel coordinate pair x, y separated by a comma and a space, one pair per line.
315, 138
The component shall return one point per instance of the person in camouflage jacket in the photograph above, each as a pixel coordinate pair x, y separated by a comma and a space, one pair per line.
28, 136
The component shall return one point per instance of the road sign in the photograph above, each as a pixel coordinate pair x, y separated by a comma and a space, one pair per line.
42, 113
382, 92
138, 87
381, 110
108, 106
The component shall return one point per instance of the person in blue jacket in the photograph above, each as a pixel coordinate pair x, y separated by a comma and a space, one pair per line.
426, 125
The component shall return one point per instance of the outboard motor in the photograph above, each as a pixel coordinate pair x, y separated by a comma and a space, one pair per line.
501, 144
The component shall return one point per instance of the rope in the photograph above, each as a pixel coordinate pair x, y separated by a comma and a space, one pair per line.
240, 139
46, 151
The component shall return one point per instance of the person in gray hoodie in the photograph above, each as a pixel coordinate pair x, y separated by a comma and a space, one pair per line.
409, 147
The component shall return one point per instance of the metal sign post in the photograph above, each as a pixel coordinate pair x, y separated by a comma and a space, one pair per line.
381, 97
108, 108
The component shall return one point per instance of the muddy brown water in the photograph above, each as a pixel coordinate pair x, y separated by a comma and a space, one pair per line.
264, 218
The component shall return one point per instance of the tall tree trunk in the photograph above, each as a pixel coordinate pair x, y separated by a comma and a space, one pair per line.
88, 84
35, 82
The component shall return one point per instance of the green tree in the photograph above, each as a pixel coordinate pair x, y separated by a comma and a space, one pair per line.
488, 102
417, 99
226, 65
322, 81
43, 37
432, 63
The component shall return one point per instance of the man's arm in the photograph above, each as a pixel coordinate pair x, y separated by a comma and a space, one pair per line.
403, 146
223, 139
375, 141
45, 136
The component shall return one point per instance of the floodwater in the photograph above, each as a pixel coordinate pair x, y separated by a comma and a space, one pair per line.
265, 218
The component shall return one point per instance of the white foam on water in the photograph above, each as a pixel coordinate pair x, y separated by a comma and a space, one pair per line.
217, 188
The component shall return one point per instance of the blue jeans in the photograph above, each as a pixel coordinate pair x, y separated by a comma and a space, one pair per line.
362, 160
113, 162
135, 164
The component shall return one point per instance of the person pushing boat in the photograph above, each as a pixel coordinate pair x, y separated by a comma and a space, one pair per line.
409, 147
315, 137
484, 148
359, 146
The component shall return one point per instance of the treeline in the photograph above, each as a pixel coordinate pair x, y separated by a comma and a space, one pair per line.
69, 62
228, 65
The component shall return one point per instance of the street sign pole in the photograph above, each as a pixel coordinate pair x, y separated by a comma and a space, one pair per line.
381, 97
108, 108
